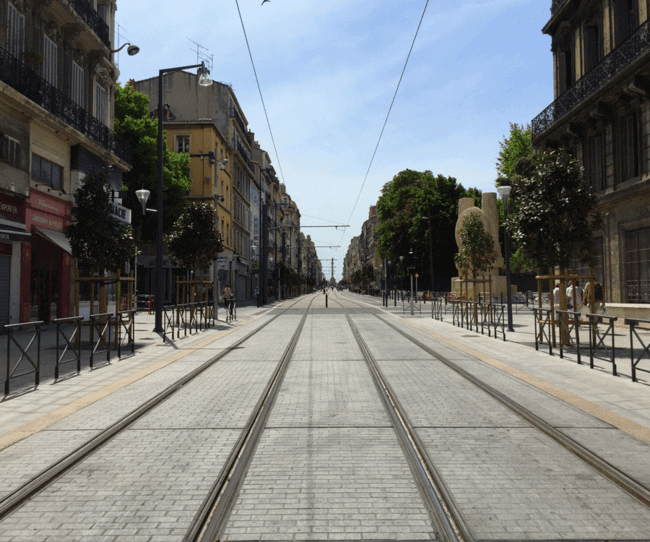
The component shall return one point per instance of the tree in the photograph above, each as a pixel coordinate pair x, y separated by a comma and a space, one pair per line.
477, 254
133, 123
555, 213
96, 237
194, 241
519, 145
410, 196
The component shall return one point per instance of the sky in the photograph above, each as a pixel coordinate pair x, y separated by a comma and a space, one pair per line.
328, 71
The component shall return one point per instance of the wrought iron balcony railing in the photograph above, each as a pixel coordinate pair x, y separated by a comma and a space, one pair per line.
244, 154
31, 85
93, 20
633, 48
235, 114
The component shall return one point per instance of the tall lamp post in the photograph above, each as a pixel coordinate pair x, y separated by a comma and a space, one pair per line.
504, 192
204, 81
430, 220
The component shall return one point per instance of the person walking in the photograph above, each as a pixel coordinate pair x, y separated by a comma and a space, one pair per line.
574, 295
227, 296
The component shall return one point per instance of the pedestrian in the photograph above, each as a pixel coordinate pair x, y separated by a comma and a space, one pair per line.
593, 296
574, 295
227, 296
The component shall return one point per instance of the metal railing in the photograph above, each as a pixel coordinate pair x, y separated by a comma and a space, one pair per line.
178, 319
23, 79
125, 330
31, 330
571, 323
597, 339
92, 19
543, 325
635, 46
68, 329
645, 348
100, 323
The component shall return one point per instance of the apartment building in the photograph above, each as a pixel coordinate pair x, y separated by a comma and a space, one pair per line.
57, 83
601, 115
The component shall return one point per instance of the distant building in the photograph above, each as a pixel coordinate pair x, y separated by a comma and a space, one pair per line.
601, 115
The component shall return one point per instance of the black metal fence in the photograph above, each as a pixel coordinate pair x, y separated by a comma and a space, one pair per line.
25, 349
186, 319
476, 316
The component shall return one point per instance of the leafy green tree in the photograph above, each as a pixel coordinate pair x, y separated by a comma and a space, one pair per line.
519, 145
96, 237
477, 254
555, 213
410, 196
194, 241
133, 123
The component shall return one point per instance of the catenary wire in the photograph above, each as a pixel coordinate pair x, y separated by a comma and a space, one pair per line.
277, 156
386, 120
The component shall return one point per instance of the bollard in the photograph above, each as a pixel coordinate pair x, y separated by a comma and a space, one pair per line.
325, 300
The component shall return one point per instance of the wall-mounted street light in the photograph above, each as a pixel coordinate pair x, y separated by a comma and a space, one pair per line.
504, 192
204, 81
132, 50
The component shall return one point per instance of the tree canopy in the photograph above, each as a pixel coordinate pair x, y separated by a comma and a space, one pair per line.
194, 241
96, 237
410, 196
477, 254
512, 149
555, 213
133, 123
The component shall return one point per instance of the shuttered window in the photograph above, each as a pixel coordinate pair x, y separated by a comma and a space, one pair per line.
596, 163
15, 31
637, 266
77, 84
629, 146
50, 61
101, 103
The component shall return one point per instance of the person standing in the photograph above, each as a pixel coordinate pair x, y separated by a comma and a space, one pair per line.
574, 295
227, 296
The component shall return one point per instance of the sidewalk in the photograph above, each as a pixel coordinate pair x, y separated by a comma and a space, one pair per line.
27, 404
614, 399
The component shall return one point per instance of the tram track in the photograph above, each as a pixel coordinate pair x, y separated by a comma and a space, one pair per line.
38, 483
604, 468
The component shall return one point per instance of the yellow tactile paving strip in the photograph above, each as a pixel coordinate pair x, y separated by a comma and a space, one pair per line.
46, 420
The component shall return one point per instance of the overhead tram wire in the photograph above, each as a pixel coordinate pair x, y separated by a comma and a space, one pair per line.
277, 156
387, 115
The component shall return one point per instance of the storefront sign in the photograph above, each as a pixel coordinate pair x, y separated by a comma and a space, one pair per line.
48, 222
121, 213
12, 208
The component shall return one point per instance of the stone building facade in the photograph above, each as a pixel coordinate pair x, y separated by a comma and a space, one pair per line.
601, 114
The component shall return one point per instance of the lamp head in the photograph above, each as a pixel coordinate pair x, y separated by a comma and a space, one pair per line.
504, 191
133, 50
143, 196
204, 76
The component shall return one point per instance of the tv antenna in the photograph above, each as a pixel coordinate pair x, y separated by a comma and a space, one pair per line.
202, 56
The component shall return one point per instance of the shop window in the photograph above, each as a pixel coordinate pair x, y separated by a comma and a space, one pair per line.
10, 150
637, 266
47, 172
629, 146
182, 144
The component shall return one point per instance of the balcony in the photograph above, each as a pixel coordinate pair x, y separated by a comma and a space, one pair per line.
244, 154
235, 115
626, 54
92, 19
31, 85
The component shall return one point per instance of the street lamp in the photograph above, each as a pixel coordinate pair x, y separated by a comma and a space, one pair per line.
430, 220
204, 81
504, 192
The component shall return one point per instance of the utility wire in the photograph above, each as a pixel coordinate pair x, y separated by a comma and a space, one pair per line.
260, 89
387, 115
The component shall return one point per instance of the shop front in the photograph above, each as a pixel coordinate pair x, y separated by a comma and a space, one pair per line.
12, 236
46, 289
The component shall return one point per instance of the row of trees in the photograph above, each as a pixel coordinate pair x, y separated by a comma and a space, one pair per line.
551, 215
101, 242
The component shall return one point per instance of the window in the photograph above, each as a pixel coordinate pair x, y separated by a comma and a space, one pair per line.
637, 265
77, 84
50, 61
101, 103
182, 143
592, 47
595, 163
565, 67
629, 146
47, 172
625, 19
103, 12
10, 151
15, 31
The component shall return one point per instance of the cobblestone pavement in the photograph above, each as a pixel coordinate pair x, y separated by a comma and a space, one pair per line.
329, 465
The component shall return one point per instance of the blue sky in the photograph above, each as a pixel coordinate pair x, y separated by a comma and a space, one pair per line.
328, 72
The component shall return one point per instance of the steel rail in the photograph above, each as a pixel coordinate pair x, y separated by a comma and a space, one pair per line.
212, 517
25, 492
436, 495
622, 480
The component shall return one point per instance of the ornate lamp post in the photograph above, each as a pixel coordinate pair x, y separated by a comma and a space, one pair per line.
204, 81
504, 192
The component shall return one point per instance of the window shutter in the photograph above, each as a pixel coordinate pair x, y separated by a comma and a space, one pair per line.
15, 31
50, 61
77, 74
101, 103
